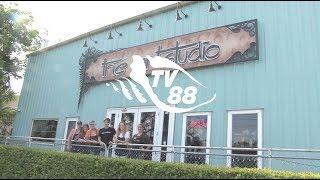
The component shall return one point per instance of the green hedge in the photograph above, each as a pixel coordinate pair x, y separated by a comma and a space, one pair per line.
17, 162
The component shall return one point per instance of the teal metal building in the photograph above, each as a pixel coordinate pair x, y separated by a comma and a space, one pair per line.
270, 101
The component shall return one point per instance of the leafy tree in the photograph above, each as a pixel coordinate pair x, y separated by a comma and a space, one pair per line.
16, 38
6, 116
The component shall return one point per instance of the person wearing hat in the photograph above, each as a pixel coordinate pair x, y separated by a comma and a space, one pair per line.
91, 137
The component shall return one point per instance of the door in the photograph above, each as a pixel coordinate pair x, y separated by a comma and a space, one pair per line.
151, 117
70, 124
130, 117
167, 136
113, 115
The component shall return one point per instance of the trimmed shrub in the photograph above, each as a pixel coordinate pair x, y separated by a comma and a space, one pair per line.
17, 162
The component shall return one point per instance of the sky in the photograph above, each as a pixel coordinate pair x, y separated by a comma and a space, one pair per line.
63, 20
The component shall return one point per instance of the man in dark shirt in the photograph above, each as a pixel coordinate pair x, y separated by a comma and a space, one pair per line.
106, 134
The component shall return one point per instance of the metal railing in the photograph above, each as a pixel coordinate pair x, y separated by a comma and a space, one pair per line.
307, 160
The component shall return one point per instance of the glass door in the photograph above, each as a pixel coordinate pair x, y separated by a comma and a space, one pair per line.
70, 124
129, 117
167, 136
114, 116
158, 126
151, 118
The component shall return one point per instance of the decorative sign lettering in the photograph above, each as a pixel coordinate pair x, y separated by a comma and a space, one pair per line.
227, 44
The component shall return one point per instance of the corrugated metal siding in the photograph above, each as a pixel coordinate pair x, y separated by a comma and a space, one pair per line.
284, 81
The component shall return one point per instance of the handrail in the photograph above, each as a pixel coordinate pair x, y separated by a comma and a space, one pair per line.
173, 146
178, 153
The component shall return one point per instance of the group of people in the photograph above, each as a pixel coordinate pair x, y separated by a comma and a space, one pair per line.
88, 139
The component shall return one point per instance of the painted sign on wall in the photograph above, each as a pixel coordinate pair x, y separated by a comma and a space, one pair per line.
228, 44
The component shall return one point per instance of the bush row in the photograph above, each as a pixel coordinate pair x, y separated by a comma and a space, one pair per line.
18, 162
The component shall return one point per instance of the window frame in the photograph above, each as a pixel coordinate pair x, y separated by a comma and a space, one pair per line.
184, 126
259, 113
67, 121
43, 119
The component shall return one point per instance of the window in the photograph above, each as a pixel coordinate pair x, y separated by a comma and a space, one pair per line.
196, 132
244, 131
128, 118
147, 119
44, 129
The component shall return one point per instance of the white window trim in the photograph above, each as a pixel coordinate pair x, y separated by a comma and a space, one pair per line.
146, 110
68, 120
170, 136
44, 119
183, 137
259, 133
137, 110
117, 118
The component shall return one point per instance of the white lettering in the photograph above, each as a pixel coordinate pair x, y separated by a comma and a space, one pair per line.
169, 79
156, 74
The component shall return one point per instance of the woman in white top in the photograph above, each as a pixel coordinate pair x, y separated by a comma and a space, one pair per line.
122, 138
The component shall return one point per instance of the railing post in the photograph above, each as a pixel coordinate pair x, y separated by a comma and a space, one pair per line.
5, 143
211, 151
63, 145
29, 142
270, 158
106, 150
172, 154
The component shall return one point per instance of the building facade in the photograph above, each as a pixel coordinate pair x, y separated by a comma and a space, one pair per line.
268, 99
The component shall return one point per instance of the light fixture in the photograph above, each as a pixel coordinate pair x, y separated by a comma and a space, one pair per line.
110, 36
140, 27
211, 9
150, 26
219, 7
178, 17
96, 42
86, 41
120, 34
185, 15
85, 44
